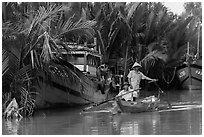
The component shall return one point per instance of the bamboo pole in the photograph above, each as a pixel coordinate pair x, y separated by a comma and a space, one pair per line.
85, 62
126, 56
189, 67
32, 58
197, 54
188, 52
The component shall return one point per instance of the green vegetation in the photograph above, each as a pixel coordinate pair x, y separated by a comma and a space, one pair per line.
125, 32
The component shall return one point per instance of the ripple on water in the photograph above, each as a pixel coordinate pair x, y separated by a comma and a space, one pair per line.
185, 118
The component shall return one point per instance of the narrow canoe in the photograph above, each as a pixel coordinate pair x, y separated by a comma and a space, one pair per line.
138, 106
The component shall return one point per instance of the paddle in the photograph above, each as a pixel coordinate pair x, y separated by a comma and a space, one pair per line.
168, 102
97, 104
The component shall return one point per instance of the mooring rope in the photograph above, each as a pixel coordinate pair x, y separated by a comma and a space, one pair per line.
168, 82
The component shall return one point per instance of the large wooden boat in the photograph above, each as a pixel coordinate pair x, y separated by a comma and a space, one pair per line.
190, 75
190, 72
71, 81
141, 105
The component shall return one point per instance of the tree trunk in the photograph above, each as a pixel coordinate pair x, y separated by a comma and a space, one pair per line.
4, 11
126, 56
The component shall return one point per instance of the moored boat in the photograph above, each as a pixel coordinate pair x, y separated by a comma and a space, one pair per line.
71, 81
190, 72
190, 76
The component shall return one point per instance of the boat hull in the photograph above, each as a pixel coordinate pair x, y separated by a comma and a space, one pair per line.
136, 107
68, 91
195, 82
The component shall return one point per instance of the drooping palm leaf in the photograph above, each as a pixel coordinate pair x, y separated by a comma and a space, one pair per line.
46, 53
41, 20
10, 62
5, 61
25, 72
80, 28
37, 27
132, 10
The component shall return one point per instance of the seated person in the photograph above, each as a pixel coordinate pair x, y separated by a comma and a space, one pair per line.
126, 97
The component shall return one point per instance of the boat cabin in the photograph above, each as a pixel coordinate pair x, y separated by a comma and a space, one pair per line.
84, 59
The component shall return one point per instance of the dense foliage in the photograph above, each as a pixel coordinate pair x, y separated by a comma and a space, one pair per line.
125, 32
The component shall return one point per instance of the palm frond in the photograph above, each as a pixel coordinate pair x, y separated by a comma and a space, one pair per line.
5, 61
46, 54
136, 22
10, 62
160, 15
80, 28
102, 48
132, 9
176, 36
115, 27
27, 101
150, 59
40, 21
7, 29
25, 72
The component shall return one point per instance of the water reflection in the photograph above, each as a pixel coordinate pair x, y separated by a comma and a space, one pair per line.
12, 126
71, 122
136, 123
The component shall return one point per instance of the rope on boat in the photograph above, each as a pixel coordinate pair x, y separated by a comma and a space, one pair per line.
168, 82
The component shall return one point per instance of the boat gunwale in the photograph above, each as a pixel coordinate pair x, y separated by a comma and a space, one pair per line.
146, 106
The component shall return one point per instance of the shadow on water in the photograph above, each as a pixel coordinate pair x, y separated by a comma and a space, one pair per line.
71, 122
185, 96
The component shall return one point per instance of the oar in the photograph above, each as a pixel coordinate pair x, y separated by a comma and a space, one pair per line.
97, 104
168, 102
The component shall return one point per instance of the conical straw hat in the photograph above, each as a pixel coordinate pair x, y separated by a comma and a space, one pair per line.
136, 65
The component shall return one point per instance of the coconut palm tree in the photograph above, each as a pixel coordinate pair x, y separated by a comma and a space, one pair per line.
114, 30
194, 28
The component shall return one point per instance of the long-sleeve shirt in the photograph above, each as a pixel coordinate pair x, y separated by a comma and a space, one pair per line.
126, 96
135, 78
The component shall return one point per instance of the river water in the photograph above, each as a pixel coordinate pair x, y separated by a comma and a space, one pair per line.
184, 119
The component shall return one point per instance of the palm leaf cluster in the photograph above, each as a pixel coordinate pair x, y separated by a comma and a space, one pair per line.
131, 25
139, 29
29, 44
17, 81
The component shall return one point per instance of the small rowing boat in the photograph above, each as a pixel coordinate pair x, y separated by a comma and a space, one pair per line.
141, 105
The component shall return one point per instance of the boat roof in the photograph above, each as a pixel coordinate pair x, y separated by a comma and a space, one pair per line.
80, 49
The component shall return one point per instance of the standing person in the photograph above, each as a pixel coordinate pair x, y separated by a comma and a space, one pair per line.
134, 78
101, 73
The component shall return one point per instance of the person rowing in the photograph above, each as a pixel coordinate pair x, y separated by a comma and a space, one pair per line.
123, 95
134, 78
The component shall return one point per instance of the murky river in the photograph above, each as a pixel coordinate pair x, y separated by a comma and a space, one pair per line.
186, 119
